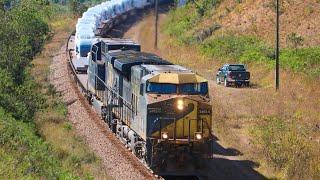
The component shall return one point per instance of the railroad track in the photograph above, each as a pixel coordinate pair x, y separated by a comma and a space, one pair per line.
81, 92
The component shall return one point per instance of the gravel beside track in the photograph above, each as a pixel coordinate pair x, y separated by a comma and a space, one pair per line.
120, 163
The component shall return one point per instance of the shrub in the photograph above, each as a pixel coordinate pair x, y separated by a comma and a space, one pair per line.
287, 148
294, 40
204, 6
246, 49
21, 100
238, 48
305, 59
25, 155
180, 21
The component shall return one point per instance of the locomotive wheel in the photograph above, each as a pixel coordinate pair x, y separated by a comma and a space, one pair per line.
149, 154
107, 120
114, 126
89, 98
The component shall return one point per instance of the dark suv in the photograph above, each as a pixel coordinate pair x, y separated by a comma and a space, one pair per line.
233, 74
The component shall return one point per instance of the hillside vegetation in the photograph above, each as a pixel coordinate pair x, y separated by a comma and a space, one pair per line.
279, 130
36, 141
244, 31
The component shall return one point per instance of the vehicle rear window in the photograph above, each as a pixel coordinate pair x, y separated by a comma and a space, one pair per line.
236, 68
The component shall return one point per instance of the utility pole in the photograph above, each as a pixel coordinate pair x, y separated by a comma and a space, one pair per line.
277, 47
156, 25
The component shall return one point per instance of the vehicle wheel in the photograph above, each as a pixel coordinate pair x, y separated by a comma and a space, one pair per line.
226, 84
218, 80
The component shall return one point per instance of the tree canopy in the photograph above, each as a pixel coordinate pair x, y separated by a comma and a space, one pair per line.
23, 30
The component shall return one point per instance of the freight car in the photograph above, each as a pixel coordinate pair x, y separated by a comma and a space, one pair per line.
161, 111
97, 21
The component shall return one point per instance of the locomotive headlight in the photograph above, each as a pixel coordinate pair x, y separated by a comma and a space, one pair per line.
198, 135
180, 104
164, 135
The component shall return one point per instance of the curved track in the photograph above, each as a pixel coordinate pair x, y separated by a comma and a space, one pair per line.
119, 162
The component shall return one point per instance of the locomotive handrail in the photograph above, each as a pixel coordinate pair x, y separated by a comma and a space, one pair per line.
118, 101
174, 130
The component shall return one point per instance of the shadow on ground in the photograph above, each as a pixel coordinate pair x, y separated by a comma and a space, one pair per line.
226, 164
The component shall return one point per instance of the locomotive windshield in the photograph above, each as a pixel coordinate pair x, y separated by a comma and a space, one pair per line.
158, 88
186, 89
194, 88
84, 50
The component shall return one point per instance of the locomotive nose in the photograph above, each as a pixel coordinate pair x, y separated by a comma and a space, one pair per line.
177, 118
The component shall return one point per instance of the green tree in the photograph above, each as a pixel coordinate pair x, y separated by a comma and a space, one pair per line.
77, 7
204, 5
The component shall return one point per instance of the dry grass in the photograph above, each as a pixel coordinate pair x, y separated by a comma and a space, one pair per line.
52, 122
240, 115
257, 17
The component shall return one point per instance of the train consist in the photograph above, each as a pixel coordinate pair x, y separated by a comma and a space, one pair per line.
161, 111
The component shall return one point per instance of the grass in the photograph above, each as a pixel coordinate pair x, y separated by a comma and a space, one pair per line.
24, 155
180, 22
250, 49
52, 124
287, 148
304, 59
46, 146
183, 24
244, 49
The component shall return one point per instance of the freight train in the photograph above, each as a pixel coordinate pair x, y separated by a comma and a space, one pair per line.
159, 110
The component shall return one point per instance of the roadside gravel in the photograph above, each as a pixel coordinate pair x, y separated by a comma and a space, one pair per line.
118, 161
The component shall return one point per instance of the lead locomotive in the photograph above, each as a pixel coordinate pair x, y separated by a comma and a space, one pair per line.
161, 111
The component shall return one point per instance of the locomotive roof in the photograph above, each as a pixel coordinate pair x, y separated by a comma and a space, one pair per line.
177, 78
124, 60
166, 68
113, 41
173, 74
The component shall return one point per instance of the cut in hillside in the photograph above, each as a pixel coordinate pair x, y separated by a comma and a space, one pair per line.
257, 17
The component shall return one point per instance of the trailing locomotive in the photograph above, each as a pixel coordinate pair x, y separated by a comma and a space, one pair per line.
161, 111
